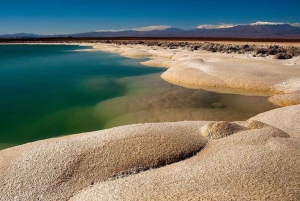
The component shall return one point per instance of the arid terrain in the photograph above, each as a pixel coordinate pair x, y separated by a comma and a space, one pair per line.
257, 159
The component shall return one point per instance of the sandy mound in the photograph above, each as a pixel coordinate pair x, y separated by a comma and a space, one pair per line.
55, 169
286, 119
232, 73
250, 74
221, 129
225, 73
285, 99
160, 62
258, 164
252, 124
135, 53
255, 162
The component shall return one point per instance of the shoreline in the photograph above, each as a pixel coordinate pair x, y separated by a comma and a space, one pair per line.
168, 161
170, 156
206, 67
212, 71
179, 60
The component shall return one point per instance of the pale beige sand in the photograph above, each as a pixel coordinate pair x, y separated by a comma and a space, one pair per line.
285, 99
234, 73
286, 119
238, 73
256, 164
55, 169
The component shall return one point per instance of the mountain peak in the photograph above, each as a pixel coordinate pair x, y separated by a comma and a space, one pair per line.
267, 23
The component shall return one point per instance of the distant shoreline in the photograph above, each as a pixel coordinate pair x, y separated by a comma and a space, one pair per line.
252, 57
251, 61
96, 39
257, 47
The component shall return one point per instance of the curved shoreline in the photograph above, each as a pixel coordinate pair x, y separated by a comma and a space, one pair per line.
212, 70
118, 163
225, 73
253, 159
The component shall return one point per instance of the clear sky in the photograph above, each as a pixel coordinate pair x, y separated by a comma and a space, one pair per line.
74, 16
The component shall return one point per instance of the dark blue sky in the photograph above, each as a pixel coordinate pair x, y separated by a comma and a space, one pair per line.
61, 16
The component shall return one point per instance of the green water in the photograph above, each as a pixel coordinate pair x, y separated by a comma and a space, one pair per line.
46, 90
52, 90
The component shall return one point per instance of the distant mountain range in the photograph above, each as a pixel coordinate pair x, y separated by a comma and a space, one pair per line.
20, 35
282, 31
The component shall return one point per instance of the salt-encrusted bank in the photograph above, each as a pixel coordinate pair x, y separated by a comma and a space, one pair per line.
257, 159
227, 73
254, 160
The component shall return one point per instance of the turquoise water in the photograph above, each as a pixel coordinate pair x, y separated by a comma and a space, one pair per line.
53, 90
47, 89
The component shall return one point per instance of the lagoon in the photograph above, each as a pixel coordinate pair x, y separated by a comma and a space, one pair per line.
54, 90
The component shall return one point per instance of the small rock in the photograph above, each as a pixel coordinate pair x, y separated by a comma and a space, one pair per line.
279, 56
252, 124
288, 56
172, 47
272, 52
220, 129
261, 51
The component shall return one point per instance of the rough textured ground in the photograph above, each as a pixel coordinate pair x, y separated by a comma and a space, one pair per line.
286, 119
260, 163
258, 160
55, 169
285, 99
283, 50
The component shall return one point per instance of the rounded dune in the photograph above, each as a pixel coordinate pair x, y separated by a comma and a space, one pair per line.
162, 161
285, 99
286, 119
258, 164
221, 129
135, 53
234, 73
57, 168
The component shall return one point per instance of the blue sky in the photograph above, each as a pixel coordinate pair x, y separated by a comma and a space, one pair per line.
62, 17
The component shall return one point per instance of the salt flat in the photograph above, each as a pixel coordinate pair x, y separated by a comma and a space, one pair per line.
256, 159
